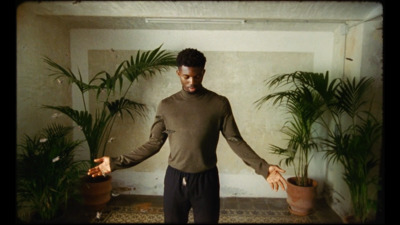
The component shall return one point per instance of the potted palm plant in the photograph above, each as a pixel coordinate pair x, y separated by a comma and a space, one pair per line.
47, 174
352, 137
305, 100
111, 104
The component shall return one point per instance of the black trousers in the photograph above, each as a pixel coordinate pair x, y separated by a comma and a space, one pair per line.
199, 191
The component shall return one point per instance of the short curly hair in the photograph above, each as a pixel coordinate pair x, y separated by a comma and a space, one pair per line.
191, 57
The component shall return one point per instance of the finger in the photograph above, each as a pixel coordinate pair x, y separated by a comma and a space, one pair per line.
272, 185
93, 169
282, 185
278, 169
276, 186
98, 160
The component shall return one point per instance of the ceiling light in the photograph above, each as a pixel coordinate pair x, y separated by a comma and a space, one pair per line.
192, 20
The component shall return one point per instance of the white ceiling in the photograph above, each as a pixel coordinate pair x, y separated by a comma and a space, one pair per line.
259, 15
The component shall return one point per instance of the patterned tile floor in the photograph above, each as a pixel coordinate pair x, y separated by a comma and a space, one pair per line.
322, 214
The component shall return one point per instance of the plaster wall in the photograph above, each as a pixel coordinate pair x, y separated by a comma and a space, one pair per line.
34, 87
372, 60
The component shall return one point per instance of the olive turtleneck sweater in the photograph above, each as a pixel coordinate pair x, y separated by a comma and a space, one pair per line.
192, 122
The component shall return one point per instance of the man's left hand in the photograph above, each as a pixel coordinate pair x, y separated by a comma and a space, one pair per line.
275, 179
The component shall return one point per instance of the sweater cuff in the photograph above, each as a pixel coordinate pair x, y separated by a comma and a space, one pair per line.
263, 169
114, 165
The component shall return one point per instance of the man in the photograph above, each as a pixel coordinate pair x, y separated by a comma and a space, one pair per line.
192, 120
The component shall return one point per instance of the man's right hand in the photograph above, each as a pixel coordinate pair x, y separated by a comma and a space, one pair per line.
102, 169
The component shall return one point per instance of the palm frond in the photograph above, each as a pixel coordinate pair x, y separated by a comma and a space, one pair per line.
351, 95
146, 64
61, 72
109, 82
122, 105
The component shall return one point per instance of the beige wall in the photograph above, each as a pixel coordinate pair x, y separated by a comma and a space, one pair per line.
38, 37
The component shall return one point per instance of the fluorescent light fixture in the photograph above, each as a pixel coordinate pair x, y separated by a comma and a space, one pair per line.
193, 20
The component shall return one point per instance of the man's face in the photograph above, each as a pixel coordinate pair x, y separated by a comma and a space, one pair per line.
191, 77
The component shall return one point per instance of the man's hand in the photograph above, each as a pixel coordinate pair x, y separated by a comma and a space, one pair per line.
275, 179
102, 169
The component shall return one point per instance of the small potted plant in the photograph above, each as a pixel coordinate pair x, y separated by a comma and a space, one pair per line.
47, 175
349, 133
305, 101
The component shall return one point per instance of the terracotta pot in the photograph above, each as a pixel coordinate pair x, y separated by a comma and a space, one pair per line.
96, 192
301, 199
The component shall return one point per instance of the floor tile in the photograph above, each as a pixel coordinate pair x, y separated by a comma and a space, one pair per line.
257, 206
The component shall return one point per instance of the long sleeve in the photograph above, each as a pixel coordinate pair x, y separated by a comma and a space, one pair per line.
193, 123
232, 135
152, 146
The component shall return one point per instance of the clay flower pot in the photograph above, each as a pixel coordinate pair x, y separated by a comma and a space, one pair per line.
301, 199
96, 192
